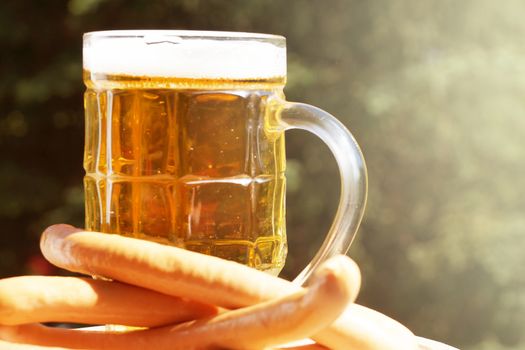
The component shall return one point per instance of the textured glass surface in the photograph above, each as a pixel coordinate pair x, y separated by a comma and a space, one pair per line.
191, 167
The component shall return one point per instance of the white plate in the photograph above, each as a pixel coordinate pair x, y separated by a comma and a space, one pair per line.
424, 344
427, 344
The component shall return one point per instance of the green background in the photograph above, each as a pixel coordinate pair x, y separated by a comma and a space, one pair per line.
432, 90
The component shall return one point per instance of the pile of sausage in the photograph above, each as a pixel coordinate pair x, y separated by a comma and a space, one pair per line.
177, 299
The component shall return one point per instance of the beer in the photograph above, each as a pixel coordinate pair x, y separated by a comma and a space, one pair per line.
187, 162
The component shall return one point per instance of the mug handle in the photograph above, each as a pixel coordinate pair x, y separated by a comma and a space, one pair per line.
352, 169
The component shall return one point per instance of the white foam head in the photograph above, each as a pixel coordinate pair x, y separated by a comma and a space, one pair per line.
185, 54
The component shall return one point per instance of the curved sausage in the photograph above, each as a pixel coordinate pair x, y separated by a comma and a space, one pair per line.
29, 299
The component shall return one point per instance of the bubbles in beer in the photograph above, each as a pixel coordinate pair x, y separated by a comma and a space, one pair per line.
193, 167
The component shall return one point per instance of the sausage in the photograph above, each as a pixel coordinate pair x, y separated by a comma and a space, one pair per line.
29, 299
169, 270
255, 327
362, 328
304, 347
178, 272
13, 346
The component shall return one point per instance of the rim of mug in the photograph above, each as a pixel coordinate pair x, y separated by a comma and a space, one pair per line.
186, 34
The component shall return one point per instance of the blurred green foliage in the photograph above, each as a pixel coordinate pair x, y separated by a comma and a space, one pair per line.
433, 91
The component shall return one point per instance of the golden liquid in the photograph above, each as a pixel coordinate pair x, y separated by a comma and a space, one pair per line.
189, 162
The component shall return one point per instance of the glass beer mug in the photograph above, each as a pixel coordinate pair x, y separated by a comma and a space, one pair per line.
184, 144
